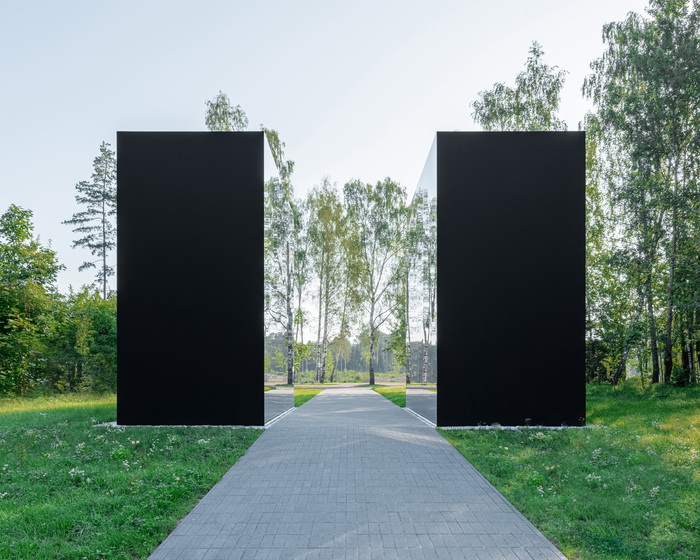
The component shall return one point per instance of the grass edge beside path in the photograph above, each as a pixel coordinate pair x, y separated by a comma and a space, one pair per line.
71, 489
394, 393
630, 491
303, 395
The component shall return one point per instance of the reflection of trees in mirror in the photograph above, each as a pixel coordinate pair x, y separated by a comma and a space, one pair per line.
284, 238
422, 285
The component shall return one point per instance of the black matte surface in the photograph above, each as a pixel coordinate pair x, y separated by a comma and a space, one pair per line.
190, 278
511, 278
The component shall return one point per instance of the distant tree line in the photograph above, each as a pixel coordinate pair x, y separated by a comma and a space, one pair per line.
353, 365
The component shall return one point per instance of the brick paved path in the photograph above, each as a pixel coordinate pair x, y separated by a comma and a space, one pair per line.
349, 475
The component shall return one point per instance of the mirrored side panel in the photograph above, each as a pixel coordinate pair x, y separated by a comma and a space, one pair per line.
278, 385
421, 331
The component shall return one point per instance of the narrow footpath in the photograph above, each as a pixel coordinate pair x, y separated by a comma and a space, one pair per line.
349, 475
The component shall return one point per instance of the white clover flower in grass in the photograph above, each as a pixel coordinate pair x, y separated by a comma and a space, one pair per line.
202, 441
76, 473
654, 491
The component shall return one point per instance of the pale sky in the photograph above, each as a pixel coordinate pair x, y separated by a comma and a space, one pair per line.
355, 89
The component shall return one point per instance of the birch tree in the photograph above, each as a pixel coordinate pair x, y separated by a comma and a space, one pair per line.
377, 221
326, 233
531, 105
221, 116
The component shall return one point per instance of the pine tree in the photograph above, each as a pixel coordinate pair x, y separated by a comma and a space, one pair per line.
96, 223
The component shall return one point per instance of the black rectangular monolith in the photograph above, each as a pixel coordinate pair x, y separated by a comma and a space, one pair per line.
190, 278
511, 278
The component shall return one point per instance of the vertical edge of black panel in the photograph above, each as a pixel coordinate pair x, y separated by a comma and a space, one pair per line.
190, 278
511, 278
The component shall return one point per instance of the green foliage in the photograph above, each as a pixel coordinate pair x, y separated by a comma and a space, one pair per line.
48, 341
81, 349
627, 489
95, 224
27, 274
71, 489
221, 116
285, 167
531, 105
643, 275
23, 260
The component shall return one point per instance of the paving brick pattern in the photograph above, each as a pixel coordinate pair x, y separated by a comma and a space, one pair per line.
349, 475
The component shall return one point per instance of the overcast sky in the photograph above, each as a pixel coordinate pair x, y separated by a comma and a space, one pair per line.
355, 89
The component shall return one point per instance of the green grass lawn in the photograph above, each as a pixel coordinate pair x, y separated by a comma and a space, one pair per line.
42, 404
627, 491
395, 393
302, 395
71, 490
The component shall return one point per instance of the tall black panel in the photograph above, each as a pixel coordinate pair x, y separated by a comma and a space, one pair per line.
511, 278
190, 278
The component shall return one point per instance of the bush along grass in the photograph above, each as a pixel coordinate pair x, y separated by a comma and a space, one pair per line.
396, 394
70, 489
303, 395
627, 490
